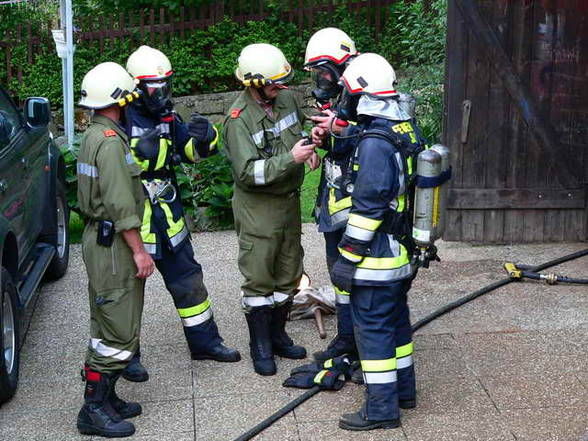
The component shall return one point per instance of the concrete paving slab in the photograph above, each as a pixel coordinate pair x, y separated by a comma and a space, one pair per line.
330, 431
40, 426
237, 377
523, 332
440, 364
521, 353
328, 406
162, 418
533, 391
464, 426
173, 436
455, 395
226, 417
163, 384
550, 424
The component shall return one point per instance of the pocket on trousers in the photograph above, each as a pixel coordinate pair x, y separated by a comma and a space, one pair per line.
245, 245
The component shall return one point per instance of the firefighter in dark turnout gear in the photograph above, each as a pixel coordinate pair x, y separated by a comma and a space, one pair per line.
160, 140
328, 53
264, 142
375, 262
111, 199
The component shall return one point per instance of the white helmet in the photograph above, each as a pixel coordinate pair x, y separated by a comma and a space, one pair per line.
107, 84
370, 74
261, 64
329, 44
147, 63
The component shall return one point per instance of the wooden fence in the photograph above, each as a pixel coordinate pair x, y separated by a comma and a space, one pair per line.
157, 25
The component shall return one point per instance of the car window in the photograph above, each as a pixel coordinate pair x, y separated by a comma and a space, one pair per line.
9, 112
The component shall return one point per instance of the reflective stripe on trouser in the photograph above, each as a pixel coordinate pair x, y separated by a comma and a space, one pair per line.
375, 312
116, 302
272, 299
404, 347
184, 280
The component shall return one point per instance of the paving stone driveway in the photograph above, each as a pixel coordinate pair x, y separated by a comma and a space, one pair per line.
512, 365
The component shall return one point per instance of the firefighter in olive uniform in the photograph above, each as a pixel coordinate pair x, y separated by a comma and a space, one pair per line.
328, 53
265, 143
376, 248
160, 140
111, 199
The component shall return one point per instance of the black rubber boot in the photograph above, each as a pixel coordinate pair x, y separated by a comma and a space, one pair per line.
126, 409
357, 421
282, 344
340, 345
97, 416
218, 353
258, 321
135, 371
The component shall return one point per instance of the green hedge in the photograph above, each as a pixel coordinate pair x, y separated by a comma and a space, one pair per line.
204, 61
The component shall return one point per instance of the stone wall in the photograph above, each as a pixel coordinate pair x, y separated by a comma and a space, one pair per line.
216, 105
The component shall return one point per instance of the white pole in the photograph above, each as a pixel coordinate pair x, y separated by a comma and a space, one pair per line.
66, 15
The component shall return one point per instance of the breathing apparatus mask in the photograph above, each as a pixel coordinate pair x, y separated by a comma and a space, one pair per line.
326, 79
347, 106
157, 95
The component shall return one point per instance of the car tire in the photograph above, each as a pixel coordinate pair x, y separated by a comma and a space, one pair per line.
58, 265
9, 327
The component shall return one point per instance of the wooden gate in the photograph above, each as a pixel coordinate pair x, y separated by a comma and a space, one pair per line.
516, 120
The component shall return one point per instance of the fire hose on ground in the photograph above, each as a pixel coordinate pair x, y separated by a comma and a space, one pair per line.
516, 273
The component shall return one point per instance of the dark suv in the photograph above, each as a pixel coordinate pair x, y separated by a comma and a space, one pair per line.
34, 241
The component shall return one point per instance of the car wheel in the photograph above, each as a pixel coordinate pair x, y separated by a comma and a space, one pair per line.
58, 265
9, 356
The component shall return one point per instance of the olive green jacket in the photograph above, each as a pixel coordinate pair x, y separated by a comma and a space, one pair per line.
259, 146
109, 183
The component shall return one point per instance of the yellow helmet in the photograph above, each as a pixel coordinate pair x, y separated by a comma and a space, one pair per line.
370, 74
107, 84
329, 44
147, 63
260, 64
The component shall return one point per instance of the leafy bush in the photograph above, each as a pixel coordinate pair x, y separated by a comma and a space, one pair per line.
204, 61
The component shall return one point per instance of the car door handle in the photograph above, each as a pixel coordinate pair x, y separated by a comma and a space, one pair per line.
3, 186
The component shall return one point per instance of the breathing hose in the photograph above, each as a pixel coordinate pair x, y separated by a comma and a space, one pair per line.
435, 315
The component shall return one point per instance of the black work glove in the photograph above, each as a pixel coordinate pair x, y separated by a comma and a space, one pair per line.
342, 274
325, 379
200, 129
341, 364
148, 145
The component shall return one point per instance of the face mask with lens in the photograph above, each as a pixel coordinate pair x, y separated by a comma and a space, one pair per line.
326, 79
347, 107
157, 95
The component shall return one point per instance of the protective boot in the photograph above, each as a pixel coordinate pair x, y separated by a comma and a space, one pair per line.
135, 371
126, 409
282, 344
97, 416
344, 341
258, 321
358, 421
215, 350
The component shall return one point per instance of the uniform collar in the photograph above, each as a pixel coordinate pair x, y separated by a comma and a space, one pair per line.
258, 113
110, 124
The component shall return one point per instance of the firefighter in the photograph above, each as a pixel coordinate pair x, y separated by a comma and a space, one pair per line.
160, 140
376, 248
111, 199
264, 140
328, 53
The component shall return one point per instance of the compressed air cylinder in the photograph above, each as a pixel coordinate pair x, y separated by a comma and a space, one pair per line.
445, 165
426, 199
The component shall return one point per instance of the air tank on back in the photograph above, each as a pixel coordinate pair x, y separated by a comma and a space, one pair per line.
430, 195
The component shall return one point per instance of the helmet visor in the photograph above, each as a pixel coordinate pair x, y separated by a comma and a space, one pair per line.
326, 80
156, 94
